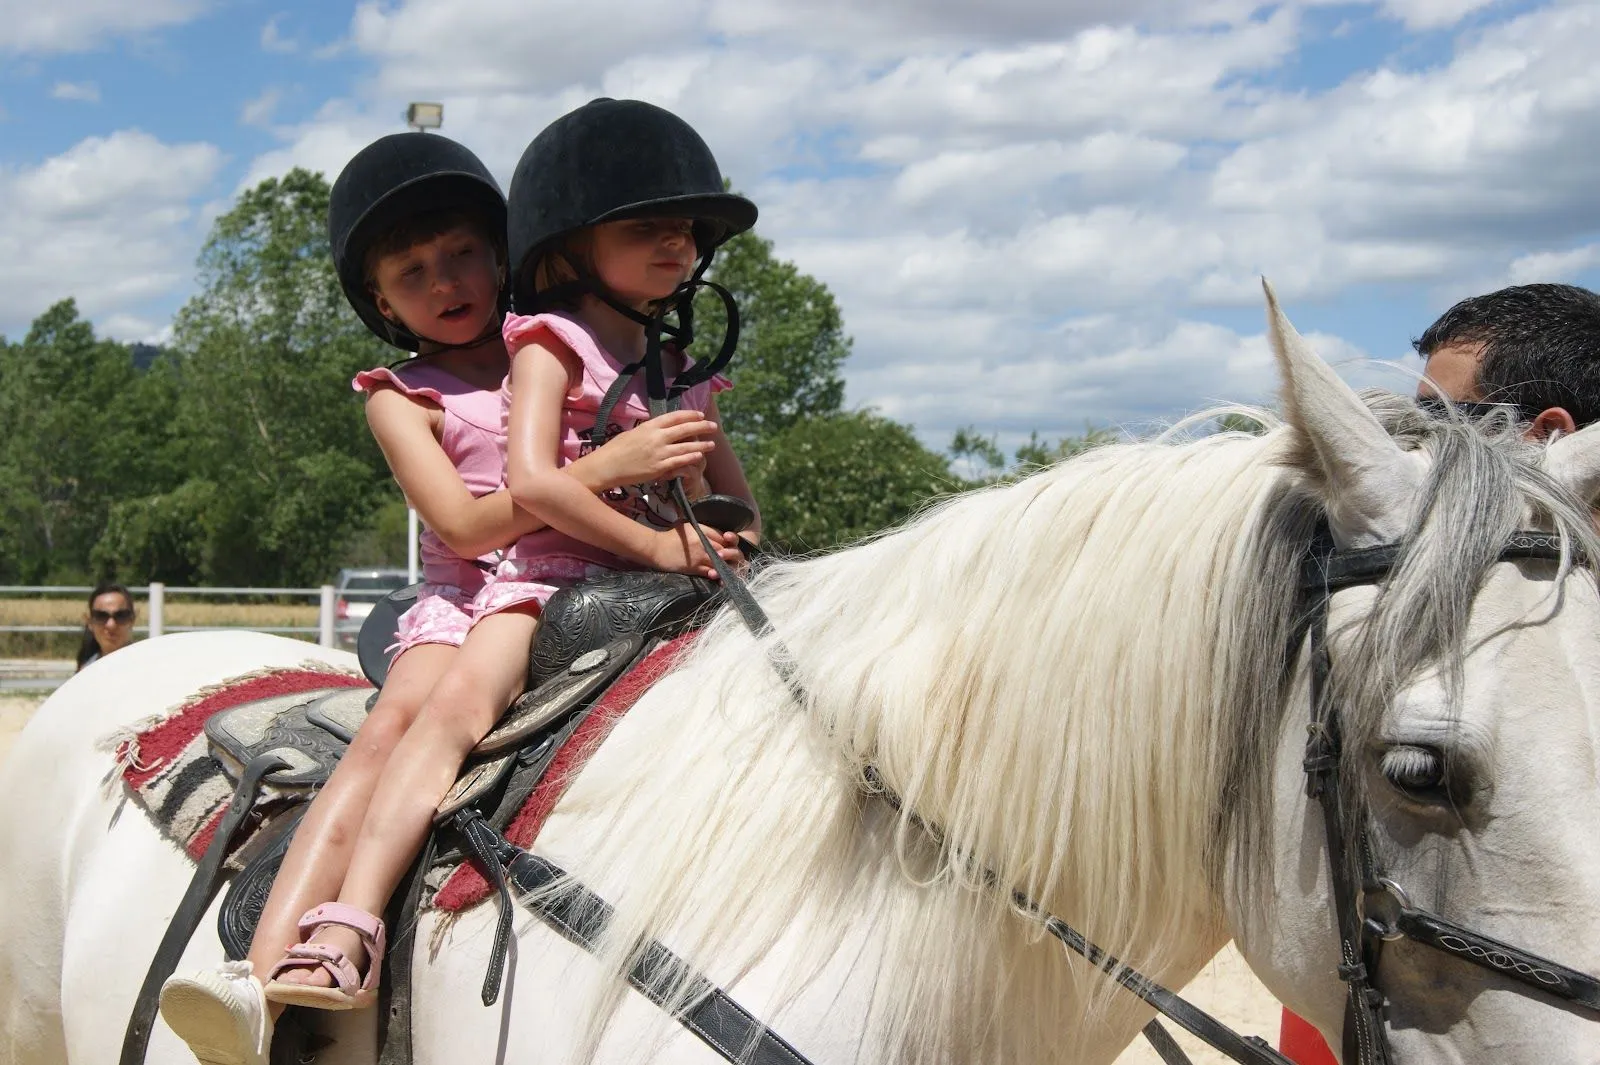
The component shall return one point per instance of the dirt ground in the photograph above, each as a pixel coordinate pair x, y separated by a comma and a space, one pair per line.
1226, 988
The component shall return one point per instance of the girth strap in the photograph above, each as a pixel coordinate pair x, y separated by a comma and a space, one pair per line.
581, 917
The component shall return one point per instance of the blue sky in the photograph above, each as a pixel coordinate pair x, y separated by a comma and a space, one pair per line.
1035, 213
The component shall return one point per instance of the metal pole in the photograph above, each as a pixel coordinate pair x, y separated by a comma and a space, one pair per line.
158, 608
325, 617
412, 532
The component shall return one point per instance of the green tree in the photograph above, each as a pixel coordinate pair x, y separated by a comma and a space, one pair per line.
831, 479
84, 429
1240, 423
792, 344
276, 446
983, 454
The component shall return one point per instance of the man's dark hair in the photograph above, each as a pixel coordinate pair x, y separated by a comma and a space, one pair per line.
1541, 347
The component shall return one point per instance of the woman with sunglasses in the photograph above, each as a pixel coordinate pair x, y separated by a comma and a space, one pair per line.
108, 626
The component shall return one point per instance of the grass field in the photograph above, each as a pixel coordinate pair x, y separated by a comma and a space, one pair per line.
179, 611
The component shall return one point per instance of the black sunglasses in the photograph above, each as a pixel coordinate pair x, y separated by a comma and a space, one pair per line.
1439, 408
121, 617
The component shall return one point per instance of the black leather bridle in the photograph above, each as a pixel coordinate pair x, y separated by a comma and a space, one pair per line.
1371, 908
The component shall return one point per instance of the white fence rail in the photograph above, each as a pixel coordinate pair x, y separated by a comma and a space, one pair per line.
156, 608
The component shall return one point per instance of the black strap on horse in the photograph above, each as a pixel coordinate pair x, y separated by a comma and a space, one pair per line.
202, 888
1371, 908
582, 917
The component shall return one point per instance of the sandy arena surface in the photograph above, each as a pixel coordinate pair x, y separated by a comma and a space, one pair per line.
1226, 988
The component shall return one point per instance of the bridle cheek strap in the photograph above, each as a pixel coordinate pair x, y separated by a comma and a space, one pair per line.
1370, 908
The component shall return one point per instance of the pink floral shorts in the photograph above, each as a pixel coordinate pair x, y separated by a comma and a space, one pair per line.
445, 613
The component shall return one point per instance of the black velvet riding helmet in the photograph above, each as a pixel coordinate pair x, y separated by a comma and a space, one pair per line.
607, 161
393, 178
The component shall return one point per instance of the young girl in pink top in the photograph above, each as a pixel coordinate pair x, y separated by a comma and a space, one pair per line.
417, 226
616, 210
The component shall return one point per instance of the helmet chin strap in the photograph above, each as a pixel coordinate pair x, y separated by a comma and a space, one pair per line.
663, 395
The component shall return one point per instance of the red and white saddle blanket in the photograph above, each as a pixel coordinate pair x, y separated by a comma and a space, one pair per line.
166, 764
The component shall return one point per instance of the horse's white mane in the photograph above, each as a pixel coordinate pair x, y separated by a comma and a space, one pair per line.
1079, 676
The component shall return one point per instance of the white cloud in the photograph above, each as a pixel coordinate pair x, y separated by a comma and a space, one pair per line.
82, 91
901, 26
134, 329
110, 222
1030, 209
273, 40
1553, 265
259, 110
500, 45
324, 144
1433, 14
1126, 371
78, 25
1494, 144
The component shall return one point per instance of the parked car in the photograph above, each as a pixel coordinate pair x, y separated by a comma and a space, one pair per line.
355, 593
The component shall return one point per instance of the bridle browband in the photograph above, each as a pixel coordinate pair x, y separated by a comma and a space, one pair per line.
1371, 908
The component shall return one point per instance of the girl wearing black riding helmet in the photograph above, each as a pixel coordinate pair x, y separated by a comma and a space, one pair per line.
615, 212
417, 229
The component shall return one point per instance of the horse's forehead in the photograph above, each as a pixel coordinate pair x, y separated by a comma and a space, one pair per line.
1530, 679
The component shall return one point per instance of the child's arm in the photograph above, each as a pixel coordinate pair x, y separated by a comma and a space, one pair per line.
725, 476
469, 525
540, 379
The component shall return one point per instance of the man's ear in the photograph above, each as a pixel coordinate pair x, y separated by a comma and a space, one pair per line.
1550, 422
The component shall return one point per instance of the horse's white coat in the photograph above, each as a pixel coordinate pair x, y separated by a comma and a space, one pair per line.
804, 898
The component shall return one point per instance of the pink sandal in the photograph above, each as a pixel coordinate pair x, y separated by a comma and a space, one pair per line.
350, 990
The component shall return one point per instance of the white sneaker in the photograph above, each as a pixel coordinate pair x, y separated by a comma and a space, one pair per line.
221, 1013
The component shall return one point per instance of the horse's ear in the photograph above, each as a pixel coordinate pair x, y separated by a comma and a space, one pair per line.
1574, 461
1366, 481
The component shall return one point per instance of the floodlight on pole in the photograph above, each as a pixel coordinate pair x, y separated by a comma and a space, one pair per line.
423, 116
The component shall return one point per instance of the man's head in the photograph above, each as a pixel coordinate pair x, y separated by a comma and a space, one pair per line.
1535, 347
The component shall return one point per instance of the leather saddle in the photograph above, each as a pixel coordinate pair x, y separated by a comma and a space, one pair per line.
589, 635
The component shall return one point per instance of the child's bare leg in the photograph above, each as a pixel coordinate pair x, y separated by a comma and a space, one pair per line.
314, 867
463, 706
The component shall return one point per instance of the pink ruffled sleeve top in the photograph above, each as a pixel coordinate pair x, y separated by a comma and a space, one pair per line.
473, 438
644, 503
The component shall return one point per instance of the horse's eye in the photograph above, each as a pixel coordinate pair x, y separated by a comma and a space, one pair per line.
1418, 772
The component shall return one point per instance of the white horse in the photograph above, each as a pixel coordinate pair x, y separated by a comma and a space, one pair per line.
1085, 678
